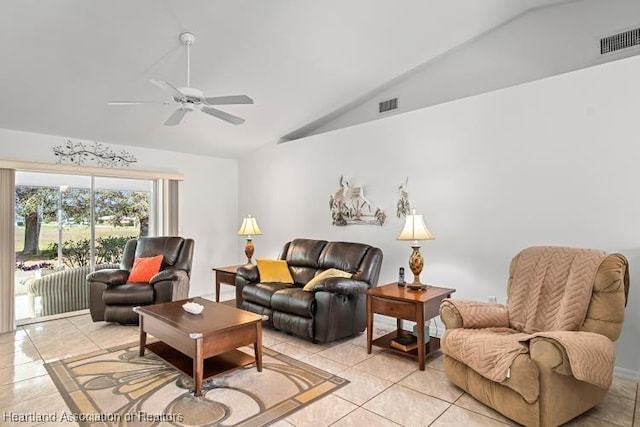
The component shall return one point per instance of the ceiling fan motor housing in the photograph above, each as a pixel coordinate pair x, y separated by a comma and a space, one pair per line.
191, 95
187, 38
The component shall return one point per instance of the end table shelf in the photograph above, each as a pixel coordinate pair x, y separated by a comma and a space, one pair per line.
383, 341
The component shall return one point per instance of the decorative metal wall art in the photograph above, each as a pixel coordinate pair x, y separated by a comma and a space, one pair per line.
404, 206
80, 152
348, 205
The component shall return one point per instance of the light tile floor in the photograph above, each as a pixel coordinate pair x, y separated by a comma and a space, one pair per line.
385, 389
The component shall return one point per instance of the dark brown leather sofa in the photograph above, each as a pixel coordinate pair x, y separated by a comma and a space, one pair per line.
335, 309
112, 298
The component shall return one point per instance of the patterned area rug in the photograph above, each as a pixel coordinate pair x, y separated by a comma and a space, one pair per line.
118, 387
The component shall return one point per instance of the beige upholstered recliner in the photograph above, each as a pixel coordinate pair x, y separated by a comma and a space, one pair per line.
547, 356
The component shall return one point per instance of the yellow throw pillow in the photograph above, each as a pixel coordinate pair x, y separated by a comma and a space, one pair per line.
332, 272
274, 271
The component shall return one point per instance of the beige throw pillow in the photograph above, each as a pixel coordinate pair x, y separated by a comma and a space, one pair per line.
332, 272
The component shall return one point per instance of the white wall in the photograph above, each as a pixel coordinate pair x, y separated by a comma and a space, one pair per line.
541, 43
553, 162
208, 197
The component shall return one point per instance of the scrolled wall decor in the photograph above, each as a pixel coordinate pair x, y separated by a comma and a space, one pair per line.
79, 153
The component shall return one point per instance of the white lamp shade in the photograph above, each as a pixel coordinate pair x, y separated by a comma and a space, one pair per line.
249, 227
415, 229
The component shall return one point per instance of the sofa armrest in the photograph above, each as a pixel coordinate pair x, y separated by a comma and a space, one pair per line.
245, 275
342, 286
458, 313
109, 276
249, 273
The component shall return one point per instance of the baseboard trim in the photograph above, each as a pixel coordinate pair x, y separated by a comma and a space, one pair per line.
626, 373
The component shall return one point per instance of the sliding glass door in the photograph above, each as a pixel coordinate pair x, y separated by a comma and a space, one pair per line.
68, 225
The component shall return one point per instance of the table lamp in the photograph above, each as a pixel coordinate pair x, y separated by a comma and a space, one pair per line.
249, 228
415, 229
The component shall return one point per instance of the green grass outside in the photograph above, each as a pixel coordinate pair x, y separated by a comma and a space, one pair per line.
49, 233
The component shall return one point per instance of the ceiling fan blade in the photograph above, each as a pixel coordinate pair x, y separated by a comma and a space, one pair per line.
176, 117
136, 102
223, 115
232, 99
168, 87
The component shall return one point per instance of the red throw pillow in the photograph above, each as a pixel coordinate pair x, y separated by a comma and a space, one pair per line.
144, 269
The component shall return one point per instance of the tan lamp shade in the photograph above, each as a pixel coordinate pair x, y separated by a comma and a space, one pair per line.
415, 229
249, 228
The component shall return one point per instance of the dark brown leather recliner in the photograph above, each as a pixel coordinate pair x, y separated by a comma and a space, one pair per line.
112, 298
335, 309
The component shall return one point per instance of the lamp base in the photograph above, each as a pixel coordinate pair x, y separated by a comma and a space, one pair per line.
248, 250
415, 264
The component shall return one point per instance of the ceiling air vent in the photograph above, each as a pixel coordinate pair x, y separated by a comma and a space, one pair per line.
388, 105
620, 41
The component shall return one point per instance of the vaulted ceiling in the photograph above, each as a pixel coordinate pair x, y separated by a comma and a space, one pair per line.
63, 60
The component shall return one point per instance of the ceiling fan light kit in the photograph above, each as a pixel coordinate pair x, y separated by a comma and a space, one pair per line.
190, 99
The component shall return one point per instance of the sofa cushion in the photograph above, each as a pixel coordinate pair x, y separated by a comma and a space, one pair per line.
262, 293
274, 270
302, 256
301, 326
294, 301
304, 252
343, 256
129, 294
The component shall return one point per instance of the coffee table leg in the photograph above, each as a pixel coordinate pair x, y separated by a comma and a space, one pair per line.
198, 366
143, 336
257, 346
217, 288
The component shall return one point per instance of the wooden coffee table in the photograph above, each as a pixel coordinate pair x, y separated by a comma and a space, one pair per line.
201, 345
403, 303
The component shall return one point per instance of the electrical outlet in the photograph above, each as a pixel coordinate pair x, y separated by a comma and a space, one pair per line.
492, 299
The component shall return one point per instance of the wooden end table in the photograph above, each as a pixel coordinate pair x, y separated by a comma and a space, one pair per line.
201, 345
226, 275
403, 303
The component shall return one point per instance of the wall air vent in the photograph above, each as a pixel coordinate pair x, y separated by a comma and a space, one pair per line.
616, 42
388, 105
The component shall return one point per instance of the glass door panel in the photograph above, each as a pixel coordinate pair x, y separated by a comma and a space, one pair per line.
123, 211
56, 229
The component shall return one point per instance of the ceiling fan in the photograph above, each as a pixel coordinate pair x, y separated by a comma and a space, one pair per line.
190, 99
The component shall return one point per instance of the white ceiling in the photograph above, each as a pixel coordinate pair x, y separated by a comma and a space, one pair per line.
62, 60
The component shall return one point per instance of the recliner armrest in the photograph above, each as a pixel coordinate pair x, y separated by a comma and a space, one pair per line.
458, 313
167, 275
343, 286
249, 273
587, 356
548, 354
109, 276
